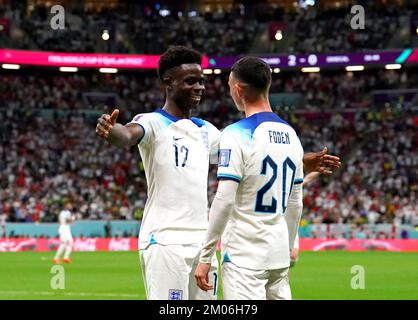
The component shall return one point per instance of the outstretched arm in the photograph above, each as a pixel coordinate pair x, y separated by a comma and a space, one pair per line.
117, 134
320, 162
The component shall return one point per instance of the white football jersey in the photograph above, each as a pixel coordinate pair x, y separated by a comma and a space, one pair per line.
175, 153
64, 216
264, 155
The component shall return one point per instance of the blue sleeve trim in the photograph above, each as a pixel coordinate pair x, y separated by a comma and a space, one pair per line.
142, 129
167, 115
298, 181
198, 122
229, 177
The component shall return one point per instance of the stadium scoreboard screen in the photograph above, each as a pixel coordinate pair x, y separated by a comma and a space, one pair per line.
322, 60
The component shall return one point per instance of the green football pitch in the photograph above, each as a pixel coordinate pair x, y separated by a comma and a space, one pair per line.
116, 275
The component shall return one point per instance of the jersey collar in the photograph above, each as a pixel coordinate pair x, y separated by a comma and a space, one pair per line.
198, 122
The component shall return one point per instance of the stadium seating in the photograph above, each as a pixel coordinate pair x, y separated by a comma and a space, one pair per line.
145, 29
47, 119
60, 156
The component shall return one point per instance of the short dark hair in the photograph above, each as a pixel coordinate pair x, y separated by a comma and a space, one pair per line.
254, 72
176, 56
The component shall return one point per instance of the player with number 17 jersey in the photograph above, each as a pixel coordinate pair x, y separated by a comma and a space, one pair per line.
175, 153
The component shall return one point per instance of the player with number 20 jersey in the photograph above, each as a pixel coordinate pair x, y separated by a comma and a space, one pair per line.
258, 203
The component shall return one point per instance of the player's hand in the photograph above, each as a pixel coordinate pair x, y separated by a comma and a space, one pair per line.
105, 124
321, 162
294, 257
202, 276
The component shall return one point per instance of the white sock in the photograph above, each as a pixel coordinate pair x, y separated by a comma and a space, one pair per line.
60, 251
68, 251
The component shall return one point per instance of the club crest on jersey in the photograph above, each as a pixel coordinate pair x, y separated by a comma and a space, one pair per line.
175, 294
224, 157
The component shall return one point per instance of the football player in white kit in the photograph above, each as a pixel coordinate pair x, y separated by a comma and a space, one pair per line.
259, 198
66, 239
175, 150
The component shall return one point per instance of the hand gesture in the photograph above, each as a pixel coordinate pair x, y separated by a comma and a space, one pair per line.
105, 124
321, 162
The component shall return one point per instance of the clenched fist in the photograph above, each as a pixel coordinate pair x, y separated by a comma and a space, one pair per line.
105, 124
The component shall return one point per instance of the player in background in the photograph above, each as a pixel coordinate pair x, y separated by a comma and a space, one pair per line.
175, 149
261, 174
3, 225
66, 239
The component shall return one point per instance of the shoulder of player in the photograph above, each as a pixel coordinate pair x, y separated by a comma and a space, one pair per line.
209, 125
162, 117
252, 122
233, 131
144, 116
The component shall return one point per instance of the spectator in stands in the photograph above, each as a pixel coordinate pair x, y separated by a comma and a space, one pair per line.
47, 158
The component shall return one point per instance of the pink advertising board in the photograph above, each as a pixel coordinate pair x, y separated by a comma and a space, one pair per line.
131, 244
82, 60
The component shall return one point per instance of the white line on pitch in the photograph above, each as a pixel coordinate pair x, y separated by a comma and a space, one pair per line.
81, 294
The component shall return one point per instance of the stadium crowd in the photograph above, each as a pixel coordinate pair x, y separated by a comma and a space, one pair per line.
141, 28
378, 182
330, 30
135, 93
60, 158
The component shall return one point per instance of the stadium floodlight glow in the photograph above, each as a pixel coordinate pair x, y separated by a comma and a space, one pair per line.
68, 69
207, 71
304, 3
278, 36
108, 70
354, 68
217, 71
311, 69
393, 66
164, 12
105, 35
276, 70
10, 66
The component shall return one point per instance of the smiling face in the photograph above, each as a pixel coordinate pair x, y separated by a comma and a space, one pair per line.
185, 85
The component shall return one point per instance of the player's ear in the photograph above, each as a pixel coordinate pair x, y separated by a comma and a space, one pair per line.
239, 90
167, 83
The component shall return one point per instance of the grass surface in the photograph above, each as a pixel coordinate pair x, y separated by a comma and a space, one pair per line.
116, 275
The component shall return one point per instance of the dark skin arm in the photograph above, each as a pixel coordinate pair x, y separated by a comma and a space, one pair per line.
117, 134
320, 162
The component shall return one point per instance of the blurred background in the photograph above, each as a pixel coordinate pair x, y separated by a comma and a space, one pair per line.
352, 90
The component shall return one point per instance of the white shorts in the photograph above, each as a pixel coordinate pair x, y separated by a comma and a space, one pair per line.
245, 284
65, 235
168, 273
